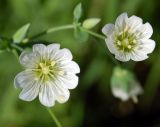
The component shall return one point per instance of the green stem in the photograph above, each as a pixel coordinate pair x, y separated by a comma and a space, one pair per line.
54, 117
70, 26
103, 38
94, 34
17, 47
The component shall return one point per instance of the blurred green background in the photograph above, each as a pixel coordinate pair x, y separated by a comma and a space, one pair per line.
91, 104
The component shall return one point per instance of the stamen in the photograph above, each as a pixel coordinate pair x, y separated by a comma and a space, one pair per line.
134, 41
61, 72
129, 46
119, 43
53, 63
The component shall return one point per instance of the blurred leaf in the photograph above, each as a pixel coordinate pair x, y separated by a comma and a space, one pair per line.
77, 12
90, 23
21, 33
80, 35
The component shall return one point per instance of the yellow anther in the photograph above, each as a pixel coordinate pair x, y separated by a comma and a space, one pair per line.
45, 69
41, 65
61, 72
129, 46
134, 42
53, 63
119, 43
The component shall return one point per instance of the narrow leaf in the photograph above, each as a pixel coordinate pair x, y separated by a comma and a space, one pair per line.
77, 12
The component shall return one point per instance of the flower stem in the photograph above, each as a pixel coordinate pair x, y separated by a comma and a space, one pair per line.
93, 33
17, 47
54, 117
70, 26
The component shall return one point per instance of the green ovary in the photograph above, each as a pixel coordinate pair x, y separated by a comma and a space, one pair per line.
125, 42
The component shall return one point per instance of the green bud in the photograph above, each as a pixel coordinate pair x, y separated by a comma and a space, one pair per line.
90, 23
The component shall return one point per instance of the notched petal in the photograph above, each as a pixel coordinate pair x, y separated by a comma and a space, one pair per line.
46, 95
108, 29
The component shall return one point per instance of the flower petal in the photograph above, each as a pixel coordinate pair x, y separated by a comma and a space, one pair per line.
51, 50
70, 67
39, 49
53, 47
135, 89
108, 29
63, 54
138, 56
23, 78
124, 57
119, 93
145, 31
46, 95
134, 23
147, 46
110, 45
30, 91
121, 21
69, 81
61, 93
28, 60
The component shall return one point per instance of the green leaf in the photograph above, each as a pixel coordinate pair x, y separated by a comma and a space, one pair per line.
80, 35
90, 23
77, 13
21, 33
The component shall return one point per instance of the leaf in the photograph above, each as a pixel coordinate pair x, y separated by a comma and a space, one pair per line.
77, 13
21, 33
90, 23
80, 35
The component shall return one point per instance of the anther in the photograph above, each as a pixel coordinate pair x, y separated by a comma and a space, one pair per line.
129, 46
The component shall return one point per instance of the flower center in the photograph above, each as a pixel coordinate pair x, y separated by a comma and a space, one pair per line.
47, 70
44, 68
125, 41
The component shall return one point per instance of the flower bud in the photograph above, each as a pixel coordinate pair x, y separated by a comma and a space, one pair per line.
90, 23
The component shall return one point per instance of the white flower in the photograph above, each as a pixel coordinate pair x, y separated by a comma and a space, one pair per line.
129, 38
49, 72
124, 85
